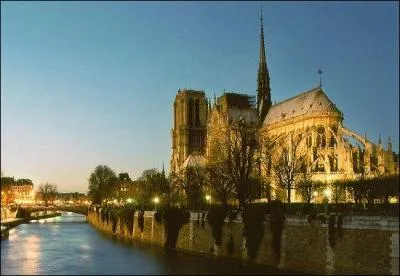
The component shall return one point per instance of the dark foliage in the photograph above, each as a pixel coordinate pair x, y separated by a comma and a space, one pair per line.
230, 245
232, 215
331, 230
114, 220
277, 219
339, 226
141, 220
253, 230
159, 214
174, 219
216, 218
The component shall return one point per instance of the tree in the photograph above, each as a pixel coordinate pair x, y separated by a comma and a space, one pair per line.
219, 182
101, 183
387, 185
307, 187
338, 189
288, 160
47, 192
191, 180
234, 152
150, 184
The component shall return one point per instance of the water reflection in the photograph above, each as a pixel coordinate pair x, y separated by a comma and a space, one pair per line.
68, 245
31, 257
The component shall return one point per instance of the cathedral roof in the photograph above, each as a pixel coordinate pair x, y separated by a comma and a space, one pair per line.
194, 160
313, 101
249, 115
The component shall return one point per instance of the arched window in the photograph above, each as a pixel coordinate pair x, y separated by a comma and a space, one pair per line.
197, 112
190, 112
333, 142
321, 138
320, 166
333, 163
309, 140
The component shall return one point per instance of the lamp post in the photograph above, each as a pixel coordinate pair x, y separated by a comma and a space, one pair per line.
156, 200
208, 198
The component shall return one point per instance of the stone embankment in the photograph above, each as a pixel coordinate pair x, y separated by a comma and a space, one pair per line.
362, 245
9, 223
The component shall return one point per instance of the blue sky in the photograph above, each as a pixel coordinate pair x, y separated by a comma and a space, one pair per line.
89, 83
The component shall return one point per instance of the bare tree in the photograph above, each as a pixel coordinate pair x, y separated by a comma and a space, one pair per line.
237, 153
308, 188
47, 192
287, 161
219, 182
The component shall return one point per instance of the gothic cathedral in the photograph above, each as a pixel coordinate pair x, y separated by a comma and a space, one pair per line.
307, 125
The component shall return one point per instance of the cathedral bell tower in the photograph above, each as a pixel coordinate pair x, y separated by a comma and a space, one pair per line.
263, 87
189, 126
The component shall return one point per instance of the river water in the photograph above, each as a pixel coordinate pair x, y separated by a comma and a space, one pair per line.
69, 245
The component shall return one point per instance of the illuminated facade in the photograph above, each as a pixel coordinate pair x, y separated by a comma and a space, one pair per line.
307, 126
22, 193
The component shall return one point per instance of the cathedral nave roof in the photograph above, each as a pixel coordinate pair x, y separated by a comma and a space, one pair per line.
313, 101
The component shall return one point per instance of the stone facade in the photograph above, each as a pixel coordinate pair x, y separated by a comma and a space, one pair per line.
310, 119
190, 122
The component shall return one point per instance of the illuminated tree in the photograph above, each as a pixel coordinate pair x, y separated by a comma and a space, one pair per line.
102, 182
47, 192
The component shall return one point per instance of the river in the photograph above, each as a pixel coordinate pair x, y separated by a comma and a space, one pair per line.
69, 245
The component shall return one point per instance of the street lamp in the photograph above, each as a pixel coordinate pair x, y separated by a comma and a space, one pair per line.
129, 200
328, 192
315, 194
208, 198
156, 200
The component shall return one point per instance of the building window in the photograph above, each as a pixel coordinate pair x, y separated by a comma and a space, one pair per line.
197, 112
309, 140
190, 112
321, 138
334, 163
333, 142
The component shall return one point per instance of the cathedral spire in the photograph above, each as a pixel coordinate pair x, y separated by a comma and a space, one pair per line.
263, 88
389, 144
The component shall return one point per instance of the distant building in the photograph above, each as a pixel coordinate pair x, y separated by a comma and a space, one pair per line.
22, 191
309, 122
71, 198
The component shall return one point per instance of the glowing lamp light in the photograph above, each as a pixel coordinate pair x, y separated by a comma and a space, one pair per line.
208, 197
328, 192
156, 200
129, 200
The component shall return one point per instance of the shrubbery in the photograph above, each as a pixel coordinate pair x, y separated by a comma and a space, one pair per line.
174, 219
216, 218
253, 230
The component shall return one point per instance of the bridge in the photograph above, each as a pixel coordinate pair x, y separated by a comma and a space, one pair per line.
24, 211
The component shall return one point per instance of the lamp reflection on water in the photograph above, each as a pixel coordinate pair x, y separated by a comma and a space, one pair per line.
32, 256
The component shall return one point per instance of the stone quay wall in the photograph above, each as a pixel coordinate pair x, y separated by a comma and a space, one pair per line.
369, 245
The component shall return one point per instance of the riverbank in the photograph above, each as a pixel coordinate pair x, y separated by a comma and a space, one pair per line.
142, 239
7, 224
364, 245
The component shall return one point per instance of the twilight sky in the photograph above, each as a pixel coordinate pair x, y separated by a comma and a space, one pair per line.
89, 83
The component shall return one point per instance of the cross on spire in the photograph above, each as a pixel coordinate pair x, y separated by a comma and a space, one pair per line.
320, 79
